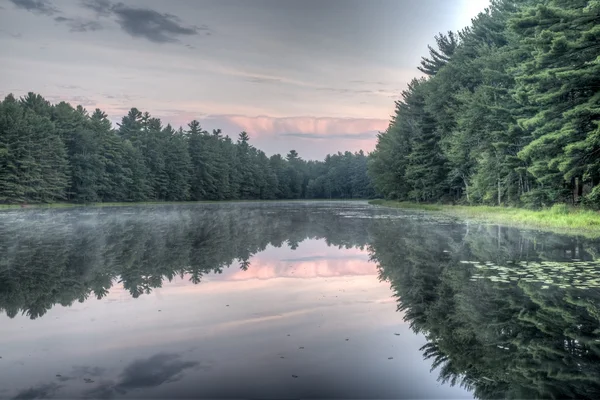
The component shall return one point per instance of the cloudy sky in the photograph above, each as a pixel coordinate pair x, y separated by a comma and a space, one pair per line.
317, 76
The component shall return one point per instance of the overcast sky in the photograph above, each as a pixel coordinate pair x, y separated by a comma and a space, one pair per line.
317, 76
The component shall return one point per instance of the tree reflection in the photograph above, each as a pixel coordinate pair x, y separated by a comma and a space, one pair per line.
67, 256
508, 338
505, 335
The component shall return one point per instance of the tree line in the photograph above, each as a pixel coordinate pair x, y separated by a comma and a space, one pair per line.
508, 112
57, 152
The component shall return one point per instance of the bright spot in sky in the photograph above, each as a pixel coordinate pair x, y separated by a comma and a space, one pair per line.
470, 9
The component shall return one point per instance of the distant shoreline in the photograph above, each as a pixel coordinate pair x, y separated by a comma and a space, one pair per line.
559, 218
146, 203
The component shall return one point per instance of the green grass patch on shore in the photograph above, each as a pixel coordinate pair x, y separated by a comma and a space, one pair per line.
559, 217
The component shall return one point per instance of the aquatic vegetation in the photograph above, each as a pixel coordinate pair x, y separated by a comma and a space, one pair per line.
575, 274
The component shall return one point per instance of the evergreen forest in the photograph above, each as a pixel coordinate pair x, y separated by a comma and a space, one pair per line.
507, 112
60, 153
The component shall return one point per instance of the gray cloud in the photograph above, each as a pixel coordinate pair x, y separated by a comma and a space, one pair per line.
38, 392
102, 8
144, 22
81, 372
350, 136
152, 25
42, 7
137, 22
85, 370
79, 24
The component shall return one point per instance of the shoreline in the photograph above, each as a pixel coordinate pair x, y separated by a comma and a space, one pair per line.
34, 206
558, 219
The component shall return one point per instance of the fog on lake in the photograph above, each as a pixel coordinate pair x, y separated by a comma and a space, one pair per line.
292, 299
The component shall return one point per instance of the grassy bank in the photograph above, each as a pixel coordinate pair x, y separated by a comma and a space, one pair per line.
559, 218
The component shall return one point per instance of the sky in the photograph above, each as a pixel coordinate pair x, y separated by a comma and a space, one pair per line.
317, 76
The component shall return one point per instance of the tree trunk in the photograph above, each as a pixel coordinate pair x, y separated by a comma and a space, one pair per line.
499, 193
521, 190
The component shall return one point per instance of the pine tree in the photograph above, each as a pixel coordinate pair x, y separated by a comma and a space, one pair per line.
84, 151
446, 46
117, 177
561, 82
426, 164
18, 167
177, 166
201, 175
246, 172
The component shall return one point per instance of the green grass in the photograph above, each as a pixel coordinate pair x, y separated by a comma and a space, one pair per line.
559, 218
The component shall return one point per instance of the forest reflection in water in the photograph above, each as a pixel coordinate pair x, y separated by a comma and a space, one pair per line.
506, 313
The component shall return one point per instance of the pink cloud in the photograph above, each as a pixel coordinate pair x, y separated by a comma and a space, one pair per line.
264, 125
313, 137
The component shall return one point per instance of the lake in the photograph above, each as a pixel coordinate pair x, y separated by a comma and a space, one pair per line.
292, 300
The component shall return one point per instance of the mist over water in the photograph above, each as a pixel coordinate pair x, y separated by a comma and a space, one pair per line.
292, 299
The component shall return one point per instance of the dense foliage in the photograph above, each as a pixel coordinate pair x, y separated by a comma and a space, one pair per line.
52, 153
508, 113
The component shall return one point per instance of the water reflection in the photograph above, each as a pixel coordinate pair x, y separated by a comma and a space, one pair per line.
507, 314
283, 300
61, 257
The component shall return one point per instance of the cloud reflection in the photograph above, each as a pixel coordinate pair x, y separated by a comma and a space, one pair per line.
150, 372
316, 267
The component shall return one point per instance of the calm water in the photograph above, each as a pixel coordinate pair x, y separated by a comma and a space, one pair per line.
292, 300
